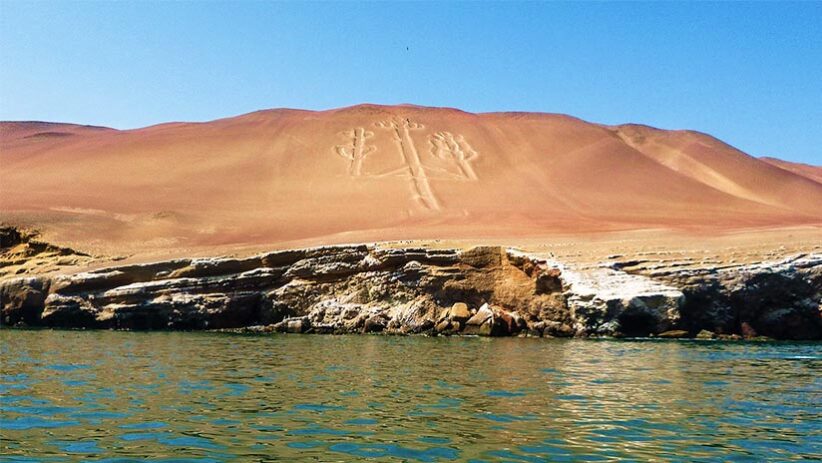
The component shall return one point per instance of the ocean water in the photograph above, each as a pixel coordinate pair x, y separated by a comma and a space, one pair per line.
211, 397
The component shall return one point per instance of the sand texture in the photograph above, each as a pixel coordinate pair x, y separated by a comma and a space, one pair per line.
278, 178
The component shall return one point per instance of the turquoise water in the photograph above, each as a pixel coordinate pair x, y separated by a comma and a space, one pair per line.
119, 396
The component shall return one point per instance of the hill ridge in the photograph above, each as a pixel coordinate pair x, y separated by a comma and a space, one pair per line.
376, 172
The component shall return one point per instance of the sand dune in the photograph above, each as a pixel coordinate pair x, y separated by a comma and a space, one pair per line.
806, 170
35, 130
373, 172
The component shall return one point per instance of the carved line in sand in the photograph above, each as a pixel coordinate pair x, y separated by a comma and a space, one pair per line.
357, 150
445, 145
419, 180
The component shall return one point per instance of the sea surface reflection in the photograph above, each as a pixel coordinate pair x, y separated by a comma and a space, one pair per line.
119, 396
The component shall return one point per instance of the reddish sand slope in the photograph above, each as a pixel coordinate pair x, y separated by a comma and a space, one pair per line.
806, 170
377, 172
35, 131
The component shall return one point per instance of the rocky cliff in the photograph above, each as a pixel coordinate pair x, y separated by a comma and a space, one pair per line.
483, 291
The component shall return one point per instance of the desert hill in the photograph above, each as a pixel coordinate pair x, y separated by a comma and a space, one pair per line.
37, 130
372, 172
806, 170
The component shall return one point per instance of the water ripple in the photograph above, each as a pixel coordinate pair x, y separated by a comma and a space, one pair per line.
205, 397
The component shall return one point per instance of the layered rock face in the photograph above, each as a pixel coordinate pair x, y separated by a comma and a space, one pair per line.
781, 299
21, 252
487, 291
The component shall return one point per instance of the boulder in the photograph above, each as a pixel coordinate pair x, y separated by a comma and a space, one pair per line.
705, 334
535, 330
375, 324
558, 329
481, 323
297, 325
747, 331
459, 312
507, 323
415, 317
673, 334
490, 321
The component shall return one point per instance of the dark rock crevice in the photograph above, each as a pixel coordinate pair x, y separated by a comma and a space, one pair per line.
777, 304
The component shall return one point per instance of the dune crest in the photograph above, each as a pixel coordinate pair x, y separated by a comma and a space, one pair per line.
806, 170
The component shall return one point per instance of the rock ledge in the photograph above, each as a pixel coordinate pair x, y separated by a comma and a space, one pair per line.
487, 291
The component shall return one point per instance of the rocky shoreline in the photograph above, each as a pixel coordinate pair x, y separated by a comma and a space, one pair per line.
486, 291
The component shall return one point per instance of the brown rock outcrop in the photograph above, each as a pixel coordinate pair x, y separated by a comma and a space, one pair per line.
486, 291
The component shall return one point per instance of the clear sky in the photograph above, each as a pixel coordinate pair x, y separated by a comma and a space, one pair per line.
748, 73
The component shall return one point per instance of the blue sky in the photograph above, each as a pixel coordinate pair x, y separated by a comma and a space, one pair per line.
748, 73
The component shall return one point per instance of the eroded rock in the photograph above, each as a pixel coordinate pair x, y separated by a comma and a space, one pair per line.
674, 334
779, 299
486, 291
604, 301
